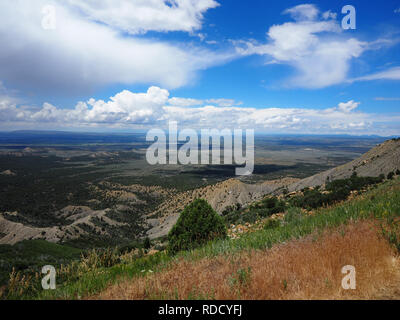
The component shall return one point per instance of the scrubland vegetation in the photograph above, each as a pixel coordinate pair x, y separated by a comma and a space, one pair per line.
308, 198
299, 256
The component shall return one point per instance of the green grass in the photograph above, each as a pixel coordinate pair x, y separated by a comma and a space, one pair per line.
33, 254
97, 280
33, 248
382, 202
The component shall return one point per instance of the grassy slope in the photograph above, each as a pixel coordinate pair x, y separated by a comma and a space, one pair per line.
33, 254
382, 202
308, 268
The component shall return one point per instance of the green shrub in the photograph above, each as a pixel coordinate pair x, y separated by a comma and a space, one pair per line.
293, 215
311, 199
258, 210
337, 190
159, 247
197, 224
390, 175
271, 224
273, 205
146, 243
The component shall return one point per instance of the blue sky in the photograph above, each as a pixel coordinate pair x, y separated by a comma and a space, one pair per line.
249, 81
277, 66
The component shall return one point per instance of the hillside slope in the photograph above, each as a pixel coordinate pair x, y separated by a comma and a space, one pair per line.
299, 269
300, 258
382, 159
220, 196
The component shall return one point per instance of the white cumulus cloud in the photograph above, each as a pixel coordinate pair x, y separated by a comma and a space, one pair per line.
154, 109
189, 102
312, 45
348, 106
139, 16
303, 12
184, 102
81, 54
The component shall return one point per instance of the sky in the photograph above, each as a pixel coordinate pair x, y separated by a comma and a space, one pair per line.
274, 66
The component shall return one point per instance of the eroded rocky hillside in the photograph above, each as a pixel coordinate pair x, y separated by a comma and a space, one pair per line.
382, 159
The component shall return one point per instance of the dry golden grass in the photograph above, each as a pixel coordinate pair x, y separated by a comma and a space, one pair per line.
302, 269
